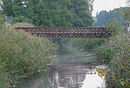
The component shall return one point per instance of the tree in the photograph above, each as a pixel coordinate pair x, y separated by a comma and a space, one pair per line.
21, 19
126, 13
81, 12
2, 19
105, 17
52, 13
8, 7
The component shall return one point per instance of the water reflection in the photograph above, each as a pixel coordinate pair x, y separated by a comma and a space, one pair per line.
65, 76
69, 71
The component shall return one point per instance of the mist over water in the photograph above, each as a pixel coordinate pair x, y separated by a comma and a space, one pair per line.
70, 70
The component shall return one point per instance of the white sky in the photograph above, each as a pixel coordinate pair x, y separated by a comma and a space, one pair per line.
100, 5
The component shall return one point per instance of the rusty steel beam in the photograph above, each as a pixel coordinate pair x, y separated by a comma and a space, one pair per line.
68, 32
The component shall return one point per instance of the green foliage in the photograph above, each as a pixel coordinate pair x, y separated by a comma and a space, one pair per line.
7, 8
120, 14
21, 19
119, 74
2, 20
114, 26
115, 53
126, 14
21, 55
81, 13
86, 43
105, 17
4, 81
50, 13
103, 52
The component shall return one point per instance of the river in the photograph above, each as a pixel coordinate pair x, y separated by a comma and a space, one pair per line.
73, 70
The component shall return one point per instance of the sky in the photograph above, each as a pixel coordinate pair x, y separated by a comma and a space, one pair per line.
100, 5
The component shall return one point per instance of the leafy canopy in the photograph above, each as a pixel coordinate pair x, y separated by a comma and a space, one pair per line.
51, 13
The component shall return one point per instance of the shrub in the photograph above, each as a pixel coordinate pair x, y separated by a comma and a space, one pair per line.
22, 54
4, 81
114, 26
2, 19
86, 43
106, 52
119, 65
20, 19
117, 50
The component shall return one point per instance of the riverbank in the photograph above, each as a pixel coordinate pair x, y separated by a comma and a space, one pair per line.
21, 55
115, 53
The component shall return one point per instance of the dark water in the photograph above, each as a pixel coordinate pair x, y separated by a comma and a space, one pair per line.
67, 71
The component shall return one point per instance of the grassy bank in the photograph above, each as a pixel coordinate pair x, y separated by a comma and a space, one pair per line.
116, 52
21, 54
113, 51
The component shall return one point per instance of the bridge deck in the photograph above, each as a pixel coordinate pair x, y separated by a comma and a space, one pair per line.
68, 32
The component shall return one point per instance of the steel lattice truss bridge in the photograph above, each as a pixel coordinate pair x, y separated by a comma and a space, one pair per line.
68, 32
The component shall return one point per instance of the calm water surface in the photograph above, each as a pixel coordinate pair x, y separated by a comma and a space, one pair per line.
67, 71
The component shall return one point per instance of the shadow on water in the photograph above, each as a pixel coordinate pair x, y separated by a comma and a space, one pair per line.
67, 71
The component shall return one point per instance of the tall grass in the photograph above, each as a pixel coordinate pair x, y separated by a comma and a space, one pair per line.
117, 51
21, 54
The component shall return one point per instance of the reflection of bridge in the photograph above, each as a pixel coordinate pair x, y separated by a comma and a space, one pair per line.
68, 32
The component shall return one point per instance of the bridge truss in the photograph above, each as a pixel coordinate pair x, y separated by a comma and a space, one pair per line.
68, 32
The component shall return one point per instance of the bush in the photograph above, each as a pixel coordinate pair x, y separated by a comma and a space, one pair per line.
86, 43
4, 81
2, 19
21, 54
117, 50
20, 19
106, 52
114, 26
